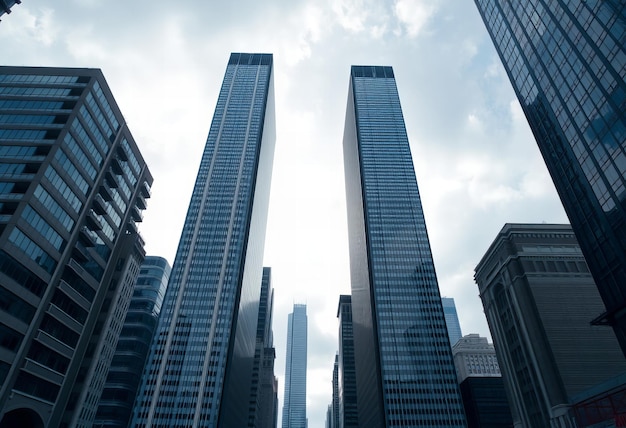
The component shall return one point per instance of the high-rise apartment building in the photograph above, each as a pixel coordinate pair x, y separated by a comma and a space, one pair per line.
567, 63
452, 320
294, 407
481, 384
538, 297
116, 402
72, 187
404, 369
263, 392
348, 412
200, 366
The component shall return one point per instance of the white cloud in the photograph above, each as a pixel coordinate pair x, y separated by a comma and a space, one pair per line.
414, 14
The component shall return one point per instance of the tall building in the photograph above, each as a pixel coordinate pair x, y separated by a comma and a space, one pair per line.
72, 187
334, 422
404, 369
475, 356
538, 297
294, 407
263, 392
567, 63
116, 402
348, 412
481, 384
452, 320
200, 365
6, 5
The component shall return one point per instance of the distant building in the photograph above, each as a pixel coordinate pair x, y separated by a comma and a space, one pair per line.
538, 297
73, 185
122, 382
481, 384
6, 5
348, 411
475, 356
335, 400
452, 320
199, 370
264, 393
567, 63
294, 407
400, 337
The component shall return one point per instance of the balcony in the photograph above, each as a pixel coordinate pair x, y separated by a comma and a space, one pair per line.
140, 202
92, 221
116, 167
136, 214
106, 193
145, 190
98, 205
85, 237
121, 153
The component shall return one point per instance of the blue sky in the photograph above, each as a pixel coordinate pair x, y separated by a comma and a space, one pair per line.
476, 161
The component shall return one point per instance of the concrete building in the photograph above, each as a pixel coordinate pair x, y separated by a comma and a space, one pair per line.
72, 187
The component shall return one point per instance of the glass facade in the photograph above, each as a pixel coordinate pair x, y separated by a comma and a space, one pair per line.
452, 320
69, 251
294, 407
567, 63
404, 369
263, 399
116, 402
200, 365
346, 394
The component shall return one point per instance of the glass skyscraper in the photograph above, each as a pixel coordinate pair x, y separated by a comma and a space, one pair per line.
294, 407
346, 376
567, 63
72, 187
452, 320
404, 369
200, 366
116, 402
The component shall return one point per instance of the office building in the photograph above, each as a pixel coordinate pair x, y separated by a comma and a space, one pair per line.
72, 187
199, 369
404, 370
294, 407
263, 392
567, 63
475, 356
334, 421
452, 320
480, 381
116, 402
348, 413
538, 297
6, 5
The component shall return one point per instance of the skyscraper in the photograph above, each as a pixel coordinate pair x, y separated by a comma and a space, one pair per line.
263, 392
452, 320
348, 412
567, 63
294, 407
481, 384
72, 187
116, 402
404, 370
538, 297
200, 366
6, 5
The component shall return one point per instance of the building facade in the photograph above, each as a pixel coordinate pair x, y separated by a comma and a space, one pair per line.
538, 297
6, 5
404, 369
116, 402
475, 356
452, 320
263, 391
481, 384
72, 187
200, 365
567, 63
294, 407
348, 412
334, 421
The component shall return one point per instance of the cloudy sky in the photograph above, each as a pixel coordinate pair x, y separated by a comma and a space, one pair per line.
476, 162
